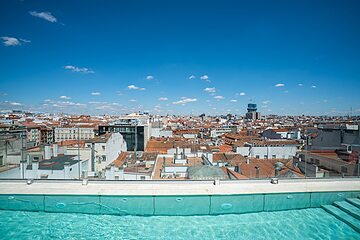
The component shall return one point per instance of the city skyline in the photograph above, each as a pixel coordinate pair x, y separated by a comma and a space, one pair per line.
180, 57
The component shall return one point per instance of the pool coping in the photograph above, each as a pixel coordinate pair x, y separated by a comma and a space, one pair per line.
175, 188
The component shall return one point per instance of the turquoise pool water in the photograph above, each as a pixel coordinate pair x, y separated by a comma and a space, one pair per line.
311, 223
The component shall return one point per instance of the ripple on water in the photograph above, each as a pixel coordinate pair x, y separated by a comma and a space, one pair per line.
294, 224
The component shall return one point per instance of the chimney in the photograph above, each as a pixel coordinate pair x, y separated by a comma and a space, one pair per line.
35, 167
177, 152
276, 172
66, 170
112, 171
47, 152
238, 168
210, 157
55, 149
257, 171
23, 165
108, 173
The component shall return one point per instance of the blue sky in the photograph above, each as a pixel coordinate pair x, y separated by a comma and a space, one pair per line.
180, 57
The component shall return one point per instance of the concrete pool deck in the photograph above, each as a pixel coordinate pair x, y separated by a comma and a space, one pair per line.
173, 188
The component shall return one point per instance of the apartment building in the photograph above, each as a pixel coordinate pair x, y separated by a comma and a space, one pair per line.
73, 133
135, 129
270, 149
104, 149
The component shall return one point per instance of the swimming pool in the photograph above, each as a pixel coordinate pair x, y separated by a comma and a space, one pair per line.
312, 223
190, 211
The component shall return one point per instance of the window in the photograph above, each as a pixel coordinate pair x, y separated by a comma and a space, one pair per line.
273, 156
103, 147
265, 156
257, 156
142, 177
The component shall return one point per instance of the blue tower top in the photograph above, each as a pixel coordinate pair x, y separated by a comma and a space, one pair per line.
252, 107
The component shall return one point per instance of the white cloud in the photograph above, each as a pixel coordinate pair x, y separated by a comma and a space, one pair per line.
210, 90
233, 100
266, 102
25, 41
11, 41
8, 104
280, 85
192, 77
300, 84
219, 97
242, 94
163, 99
95, 102
133, 87
313, 86
65, 97
132, 100
185, 100
68, 104
15, 104
205, 78
103, 107
79, 69
44, 15
96, 93
149, 77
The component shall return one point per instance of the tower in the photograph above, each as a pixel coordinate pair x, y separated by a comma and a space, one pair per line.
252, 113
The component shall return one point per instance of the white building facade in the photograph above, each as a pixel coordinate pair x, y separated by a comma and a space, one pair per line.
104, 150
269, 151
73, 133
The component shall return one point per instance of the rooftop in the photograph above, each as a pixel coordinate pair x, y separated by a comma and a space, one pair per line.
205, 173
163, 144
55, 163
